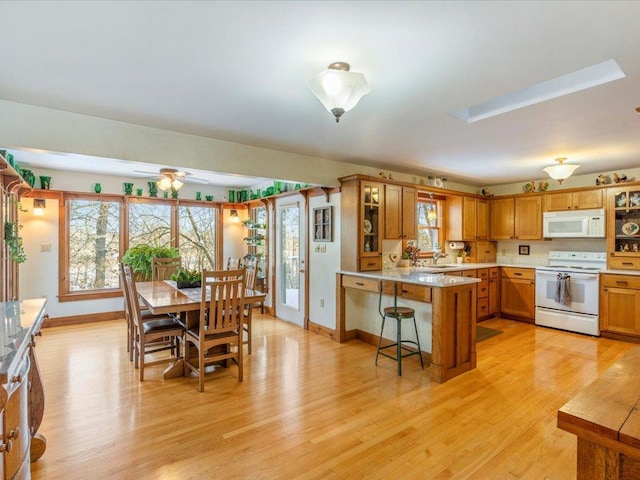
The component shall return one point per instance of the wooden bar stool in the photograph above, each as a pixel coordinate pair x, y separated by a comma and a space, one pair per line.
400, 314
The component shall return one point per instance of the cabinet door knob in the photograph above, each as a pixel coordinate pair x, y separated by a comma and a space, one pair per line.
15, 433
16, 378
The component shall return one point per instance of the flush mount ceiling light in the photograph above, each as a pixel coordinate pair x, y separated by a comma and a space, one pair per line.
170, 179
339, 89
560, 171
588, 77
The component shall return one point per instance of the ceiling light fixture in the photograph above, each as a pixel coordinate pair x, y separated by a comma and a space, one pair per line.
169, 179
560, 171
39, 204
339, 89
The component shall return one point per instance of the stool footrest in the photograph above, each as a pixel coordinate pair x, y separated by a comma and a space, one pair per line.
394, 345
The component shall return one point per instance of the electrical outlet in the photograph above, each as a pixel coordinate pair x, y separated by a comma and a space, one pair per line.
45, 247
322, 302
323, 248
316, 248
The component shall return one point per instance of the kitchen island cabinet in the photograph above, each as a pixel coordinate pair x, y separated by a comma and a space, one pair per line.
449, 313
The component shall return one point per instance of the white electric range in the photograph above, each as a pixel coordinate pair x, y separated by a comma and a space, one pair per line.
567, 291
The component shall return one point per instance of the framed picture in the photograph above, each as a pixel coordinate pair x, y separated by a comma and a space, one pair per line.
523, 249
322, 224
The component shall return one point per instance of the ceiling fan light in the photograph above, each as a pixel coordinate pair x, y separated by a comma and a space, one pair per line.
560, 171
338, 89
164, 183
176, 184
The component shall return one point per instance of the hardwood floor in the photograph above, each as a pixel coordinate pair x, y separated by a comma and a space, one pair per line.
310, 408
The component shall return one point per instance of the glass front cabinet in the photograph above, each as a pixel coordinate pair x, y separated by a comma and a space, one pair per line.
371, 201
623, 236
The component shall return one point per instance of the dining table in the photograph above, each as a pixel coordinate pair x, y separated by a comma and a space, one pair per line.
164, 297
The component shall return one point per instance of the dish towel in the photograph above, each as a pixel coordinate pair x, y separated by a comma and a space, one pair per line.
563, 289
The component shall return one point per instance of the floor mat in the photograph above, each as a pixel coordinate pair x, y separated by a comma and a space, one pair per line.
482, 333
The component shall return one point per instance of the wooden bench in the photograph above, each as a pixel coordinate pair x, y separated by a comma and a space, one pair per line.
605, 416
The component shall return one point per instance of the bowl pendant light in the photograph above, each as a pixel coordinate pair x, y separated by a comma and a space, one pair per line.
339, 89
560, 171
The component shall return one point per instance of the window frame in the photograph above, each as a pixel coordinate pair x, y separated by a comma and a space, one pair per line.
439, 201
64, 294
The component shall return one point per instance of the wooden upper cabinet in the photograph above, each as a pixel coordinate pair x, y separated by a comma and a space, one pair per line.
467, 218
518, 217
580, 200
400, 207
528, 218
482, 219
503, 218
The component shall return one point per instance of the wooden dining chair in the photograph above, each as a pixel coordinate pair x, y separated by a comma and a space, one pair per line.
250, 283
218, 337
163, 268
146, 332
128, 316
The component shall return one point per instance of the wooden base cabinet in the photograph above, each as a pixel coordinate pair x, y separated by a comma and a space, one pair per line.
620, 304
518, 293
21, 395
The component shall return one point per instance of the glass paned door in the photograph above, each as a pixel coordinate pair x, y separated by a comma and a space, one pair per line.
290, 265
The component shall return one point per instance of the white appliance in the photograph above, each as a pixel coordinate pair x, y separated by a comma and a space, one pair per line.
567, 291
574, 224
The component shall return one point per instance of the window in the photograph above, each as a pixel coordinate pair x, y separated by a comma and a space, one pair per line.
94, 245
429, 220
96, 231
197, 227
150, 222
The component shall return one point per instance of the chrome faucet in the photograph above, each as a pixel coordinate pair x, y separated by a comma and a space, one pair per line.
437, 256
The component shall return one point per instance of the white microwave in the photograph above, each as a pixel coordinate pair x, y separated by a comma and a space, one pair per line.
574, 224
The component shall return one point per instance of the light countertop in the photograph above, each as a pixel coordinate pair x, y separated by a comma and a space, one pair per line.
416, 275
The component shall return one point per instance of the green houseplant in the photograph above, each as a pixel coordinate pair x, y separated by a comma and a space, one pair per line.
13, 240
140, 258
187, 278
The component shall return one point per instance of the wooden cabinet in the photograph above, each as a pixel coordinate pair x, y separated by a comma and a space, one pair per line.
518, 293
488, 290
400, 207
623, 228
503, 218
362, 221
620, 304
494, 291
21, 397
482, 252
582, 199
518, 217
467, 218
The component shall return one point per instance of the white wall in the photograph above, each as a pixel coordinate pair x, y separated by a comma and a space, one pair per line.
323, 266
39, 274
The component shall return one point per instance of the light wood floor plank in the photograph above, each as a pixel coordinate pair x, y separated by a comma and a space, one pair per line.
310, 408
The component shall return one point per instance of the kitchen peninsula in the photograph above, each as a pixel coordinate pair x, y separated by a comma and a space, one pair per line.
445, 306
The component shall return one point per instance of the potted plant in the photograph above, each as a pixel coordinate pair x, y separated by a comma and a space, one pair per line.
140, 258
13, 240
187, 278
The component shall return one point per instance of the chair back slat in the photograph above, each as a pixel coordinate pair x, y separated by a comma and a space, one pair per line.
163, 268
131, 296
222, 301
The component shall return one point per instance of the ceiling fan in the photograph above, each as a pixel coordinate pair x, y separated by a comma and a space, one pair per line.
172, 178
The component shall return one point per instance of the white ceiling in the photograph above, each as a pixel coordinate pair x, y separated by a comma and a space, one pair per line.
238, 71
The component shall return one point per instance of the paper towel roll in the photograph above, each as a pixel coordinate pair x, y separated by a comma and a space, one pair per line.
456, 245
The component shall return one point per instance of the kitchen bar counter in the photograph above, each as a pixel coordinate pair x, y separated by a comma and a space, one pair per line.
451, 312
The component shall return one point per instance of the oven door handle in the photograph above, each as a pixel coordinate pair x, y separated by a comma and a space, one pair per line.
571, 274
